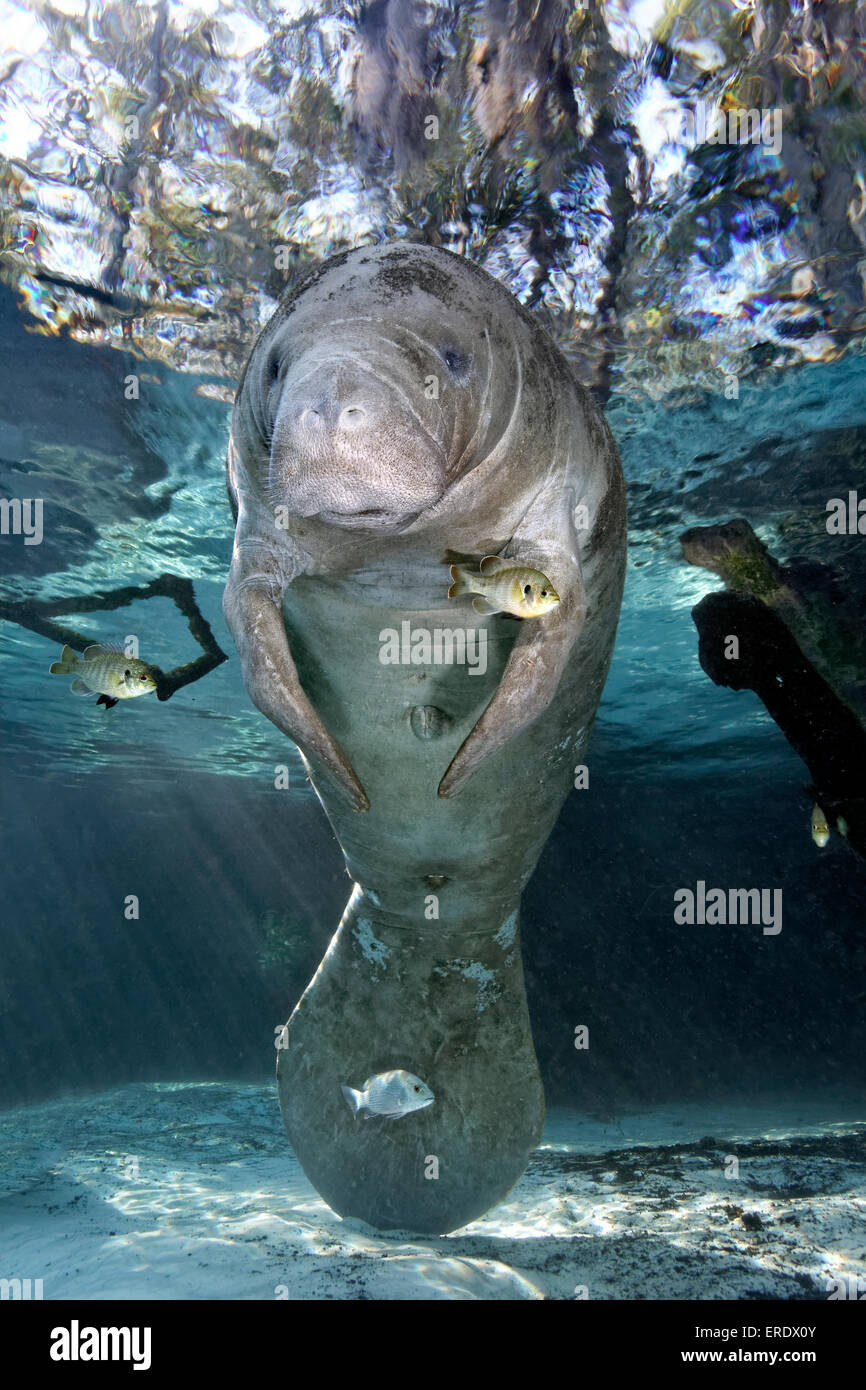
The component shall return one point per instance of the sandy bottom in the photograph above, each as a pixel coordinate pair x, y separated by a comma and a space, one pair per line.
184, 1191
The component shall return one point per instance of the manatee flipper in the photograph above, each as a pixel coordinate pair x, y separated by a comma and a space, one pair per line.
256, 623
543, 648
528, 684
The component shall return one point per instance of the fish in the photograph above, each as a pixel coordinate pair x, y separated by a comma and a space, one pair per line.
504, 587
820, 828
842, 826
105, 671
391, 1094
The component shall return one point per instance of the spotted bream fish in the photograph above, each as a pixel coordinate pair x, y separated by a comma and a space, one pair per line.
504, 587
105, 671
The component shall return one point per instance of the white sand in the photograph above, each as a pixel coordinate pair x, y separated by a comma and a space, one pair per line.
190, 1191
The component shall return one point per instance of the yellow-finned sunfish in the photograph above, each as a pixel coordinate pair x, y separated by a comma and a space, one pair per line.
820, 828
504, 587
390, 1093
105, 671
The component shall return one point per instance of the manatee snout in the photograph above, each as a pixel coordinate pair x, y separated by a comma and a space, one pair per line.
351, 446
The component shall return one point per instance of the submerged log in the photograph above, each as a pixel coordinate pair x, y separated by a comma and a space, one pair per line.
821, 729
36, 615
803, 593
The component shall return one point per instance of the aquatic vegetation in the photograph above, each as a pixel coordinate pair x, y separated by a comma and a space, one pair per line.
748, 572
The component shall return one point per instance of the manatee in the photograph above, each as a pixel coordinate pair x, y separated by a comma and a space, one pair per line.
401, 408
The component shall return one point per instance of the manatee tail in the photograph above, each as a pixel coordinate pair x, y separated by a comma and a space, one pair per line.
354, 1099
461, 583
66, 665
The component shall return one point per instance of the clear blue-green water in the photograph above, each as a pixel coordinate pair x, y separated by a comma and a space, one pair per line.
151, 250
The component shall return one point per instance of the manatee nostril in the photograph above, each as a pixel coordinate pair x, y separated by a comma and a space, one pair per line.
311, 417
352, 416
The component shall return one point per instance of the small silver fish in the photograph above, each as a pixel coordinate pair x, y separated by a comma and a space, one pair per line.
105, 671
820, 828
390, 1093
505, 587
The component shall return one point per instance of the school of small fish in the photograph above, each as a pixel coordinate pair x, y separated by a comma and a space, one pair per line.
390, 1093
105, 671
503, 587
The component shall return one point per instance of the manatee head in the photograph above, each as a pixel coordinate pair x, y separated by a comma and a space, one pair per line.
382, 379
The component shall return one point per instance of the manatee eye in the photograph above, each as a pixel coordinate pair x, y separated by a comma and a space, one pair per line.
456, 362
275, 368
528, 589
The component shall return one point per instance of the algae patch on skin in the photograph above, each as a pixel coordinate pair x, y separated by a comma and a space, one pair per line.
507, 932
374, 950
489, 989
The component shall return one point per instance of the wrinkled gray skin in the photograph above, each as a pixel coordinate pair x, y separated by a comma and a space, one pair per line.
351, 479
